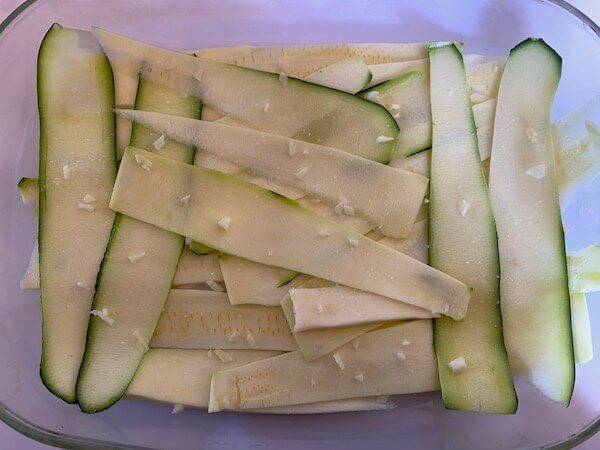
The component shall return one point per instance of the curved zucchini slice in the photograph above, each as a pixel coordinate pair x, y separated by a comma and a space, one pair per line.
76, 172
136, 274
269, 229
294, 108
463, 243
533, 265
348, 75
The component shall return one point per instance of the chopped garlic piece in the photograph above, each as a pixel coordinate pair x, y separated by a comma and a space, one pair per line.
86, 207
143, 161
185, 199
291, 148
531, 134
348, 210
401, 356
463, 207
177, 408
405, 342
338, 360
250, 339
234, 335
140, 340
324, 233
223, 356
269, 253
396, 115
102, 314
352, 242
319, 308
394, 106
267, 106
359, 377
89, 198
381, 139
136, 257
225, 223
214, 286
372, 95
426, 200
283, 79
339, 208
300, 174
159, 143
538, 172
457, 365
83, 285
66, 172
305, 152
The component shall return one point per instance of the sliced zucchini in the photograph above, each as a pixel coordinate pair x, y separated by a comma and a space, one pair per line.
249, 56
163, 376
76, 172
195, 269
31, 277
199, 248
523, 189
377, 364
484, 113
205, 319
136, 274
348, 75
415, 245
266, 228
483, 76
577, 148
388, 71
582, 329
407, 100
584, 269
341, 306
462, 242
323, 172
29, 190
330, 212
295, 108
249, 282
314, 344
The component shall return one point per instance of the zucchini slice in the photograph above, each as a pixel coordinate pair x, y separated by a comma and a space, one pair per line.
292, 108
462, 242
582, 329
163, 376
533, 265
76, 171
584, 269
136, 274
348, 75
323, 172
205, 319
195, 269
239, 218
407, 100
377, 364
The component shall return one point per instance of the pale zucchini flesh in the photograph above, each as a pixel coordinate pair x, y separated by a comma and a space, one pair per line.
582, 330
205, 319
164, 376
463, 243
348, 75
584, 269
316, 343
136, 273
380, 73
195, 269
341, 306
29, 190
77, 157
323, 172
271, 230
483, 75
407, 100
534, 283
294, 109
268, 383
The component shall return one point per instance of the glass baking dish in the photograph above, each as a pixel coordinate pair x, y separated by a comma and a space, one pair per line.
420, 421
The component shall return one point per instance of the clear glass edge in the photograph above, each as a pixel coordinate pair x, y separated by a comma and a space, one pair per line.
45, 436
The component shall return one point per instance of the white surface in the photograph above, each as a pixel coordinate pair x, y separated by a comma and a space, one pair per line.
10, 439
